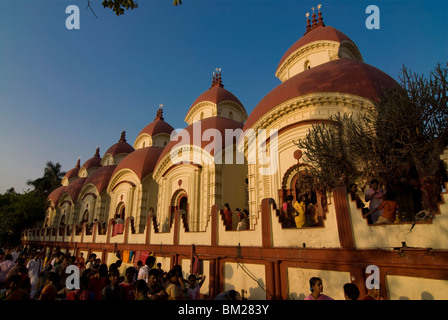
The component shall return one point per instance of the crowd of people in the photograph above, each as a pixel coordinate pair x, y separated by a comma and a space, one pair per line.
26, 274
238, 220
29, 275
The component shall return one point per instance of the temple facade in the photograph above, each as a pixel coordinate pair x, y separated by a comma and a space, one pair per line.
166, 193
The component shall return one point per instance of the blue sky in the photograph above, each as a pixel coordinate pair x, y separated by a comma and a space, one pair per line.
65, 92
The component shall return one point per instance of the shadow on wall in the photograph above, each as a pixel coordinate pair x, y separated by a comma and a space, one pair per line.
425, 296
254, 288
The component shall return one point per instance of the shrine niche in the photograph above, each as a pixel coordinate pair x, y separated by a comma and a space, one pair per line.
297, 186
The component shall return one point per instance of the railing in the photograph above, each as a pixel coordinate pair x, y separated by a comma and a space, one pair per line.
343, 220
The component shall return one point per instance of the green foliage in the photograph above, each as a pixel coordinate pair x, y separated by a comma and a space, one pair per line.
119, 6
18, 212
49, 181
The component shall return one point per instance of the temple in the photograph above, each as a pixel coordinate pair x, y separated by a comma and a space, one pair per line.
169, 191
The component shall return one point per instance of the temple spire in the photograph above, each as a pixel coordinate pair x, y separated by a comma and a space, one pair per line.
316, 22
217, 80
123, 137
159, 114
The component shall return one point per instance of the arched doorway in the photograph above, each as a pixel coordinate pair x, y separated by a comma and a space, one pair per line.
179, 212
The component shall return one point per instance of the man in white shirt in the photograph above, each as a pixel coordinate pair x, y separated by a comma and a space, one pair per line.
143, 273
34, 267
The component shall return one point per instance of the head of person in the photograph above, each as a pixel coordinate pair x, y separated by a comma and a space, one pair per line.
159, 266
102, 270
374, 184
130, 274
114, 277
233, 295
140, 288
374, 293
316, 285
153, 276
351, 291
173, 276
150, 261
192, 280
289, 197
226, 205
53, 278
353, 188
139, 263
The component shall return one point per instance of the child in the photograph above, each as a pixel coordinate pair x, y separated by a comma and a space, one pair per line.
193, 289
390, 209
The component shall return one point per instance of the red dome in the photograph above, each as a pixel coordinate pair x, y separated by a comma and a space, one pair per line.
318, 34
93, 162
73, 172
141, 161
74, 188
156, 127
55, 195
219, 123
120, 147
342, 75
100, 178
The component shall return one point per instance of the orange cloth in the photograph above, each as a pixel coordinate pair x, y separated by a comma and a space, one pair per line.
389, 208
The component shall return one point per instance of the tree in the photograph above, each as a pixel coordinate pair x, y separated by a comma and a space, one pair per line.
119, 6
49, 181
403, 134
18, 212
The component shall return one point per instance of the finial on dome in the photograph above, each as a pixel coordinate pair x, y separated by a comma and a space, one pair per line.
78, 163
159, 115
217, 80
321, 20
97, 152
308, 25
123, 137
314, 25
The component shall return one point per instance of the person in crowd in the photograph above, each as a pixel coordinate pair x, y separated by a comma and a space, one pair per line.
50, 290
317, 288
229, 295
5, 267
353, 190
228, 217
287, 212
182, 283
144, 271
299, 212
15, 292
128, 283
194, 286
375, 195
159, 267
91, 261
99, 280
389, 209
242, 219
83, 293
113, 291
81, 261
156, 290
351, 291
140, 290
373, 294
172, 289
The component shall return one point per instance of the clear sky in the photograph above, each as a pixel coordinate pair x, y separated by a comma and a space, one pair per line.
65, 92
